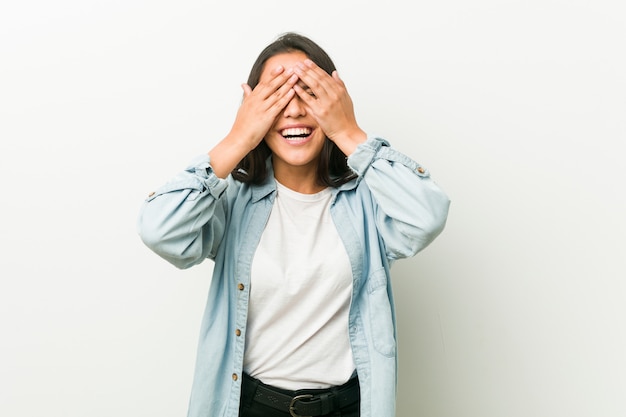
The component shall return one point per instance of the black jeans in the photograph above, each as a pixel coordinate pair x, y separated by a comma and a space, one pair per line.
250, 407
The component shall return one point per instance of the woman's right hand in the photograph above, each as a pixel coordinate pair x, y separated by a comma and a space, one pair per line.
261, 106
255, 117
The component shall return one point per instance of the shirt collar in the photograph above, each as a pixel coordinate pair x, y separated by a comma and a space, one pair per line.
268, 186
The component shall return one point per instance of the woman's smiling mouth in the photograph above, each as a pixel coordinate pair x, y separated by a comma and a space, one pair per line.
296, 134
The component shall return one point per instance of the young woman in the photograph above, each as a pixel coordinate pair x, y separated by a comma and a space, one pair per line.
302, 213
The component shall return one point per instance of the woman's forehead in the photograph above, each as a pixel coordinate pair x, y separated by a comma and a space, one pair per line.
286, 60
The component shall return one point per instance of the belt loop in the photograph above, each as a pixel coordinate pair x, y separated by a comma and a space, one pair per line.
248, 389
328, 402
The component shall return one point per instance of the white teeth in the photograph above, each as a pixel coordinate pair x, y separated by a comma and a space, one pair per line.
296, 131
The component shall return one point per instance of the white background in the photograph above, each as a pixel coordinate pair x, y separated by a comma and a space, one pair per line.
517, 107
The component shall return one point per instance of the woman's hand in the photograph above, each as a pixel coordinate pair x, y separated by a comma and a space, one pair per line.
330, 104
261, 106
255, 117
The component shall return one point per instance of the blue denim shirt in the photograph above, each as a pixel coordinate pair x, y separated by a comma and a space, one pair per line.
390, 211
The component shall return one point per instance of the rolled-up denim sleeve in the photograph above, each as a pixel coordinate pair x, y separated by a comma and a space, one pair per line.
410, 208
183, 221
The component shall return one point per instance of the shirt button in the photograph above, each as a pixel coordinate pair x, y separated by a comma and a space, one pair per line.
151, 194
235, 377
237, 332
240, 286
421, 170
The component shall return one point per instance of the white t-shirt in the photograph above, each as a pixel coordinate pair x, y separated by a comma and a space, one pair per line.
297, 331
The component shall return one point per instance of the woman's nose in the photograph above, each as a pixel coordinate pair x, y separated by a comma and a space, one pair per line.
295, 108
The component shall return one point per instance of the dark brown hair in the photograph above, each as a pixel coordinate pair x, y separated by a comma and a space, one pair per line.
333, 168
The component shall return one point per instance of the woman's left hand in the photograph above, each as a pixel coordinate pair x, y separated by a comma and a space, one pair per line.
327, 98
